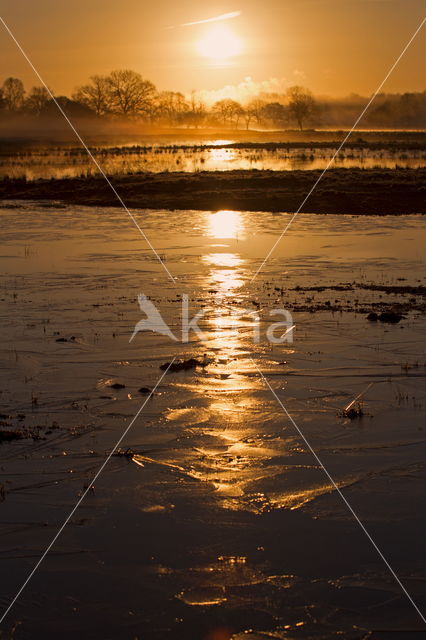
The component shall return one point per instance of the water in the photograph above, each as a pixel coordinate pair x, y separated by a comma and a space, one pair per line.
65, 162
222, 524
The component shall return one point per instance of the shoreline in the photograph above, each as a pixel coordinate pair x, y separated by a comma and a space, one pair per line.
341, 191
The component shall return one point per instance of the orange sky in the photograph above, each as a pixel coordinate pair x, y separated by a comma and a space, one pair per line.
333, 47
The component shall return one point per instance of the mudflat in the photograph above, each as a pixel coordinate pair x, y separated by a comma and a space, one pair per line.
340, 191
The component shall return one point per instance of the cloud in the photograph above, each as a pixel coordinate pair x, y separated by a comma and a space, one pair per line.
245, 90
223, 16
299, 75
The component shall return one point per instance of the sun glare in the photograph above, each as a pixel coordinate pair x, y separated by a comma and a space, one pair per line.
219, 43
224, 224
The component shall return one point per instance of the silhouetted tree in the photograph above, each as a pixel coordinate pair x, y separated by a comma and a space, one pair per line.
301, 104
13, 93
247, 116
276, 113
254, 111
130, 95
229, 111
171, 105
72, 108
197, 111
95, 95
395, 110
37, 100
412, 109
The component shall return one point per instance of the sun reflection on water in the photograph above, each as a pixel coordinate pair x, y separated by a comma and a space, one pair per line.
226, 462
226, 277
225, 224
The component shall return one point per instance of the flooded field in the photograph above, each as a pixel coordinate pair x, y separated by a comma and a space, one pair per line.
213, 520
220, 156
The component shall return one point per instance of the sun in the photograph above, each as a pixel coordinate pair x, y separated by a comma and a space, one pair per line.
219, 43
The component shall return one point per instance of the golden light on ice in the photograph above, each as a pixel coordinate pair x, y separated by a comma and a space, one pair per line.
219, 43
225, 224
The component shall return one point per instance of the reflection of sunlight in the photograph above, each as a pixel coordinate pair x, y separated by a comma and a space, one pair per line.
227, 278
227, 275
222, 259
219, 158
218, 142
225, 321
225, 224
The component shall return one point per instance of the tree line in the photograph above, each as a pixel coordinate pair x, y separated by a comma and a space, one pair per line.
125, 94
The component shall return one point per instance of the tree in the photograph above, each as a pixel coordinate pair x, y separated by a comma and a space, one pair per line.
248, 117
228, 110
171, 105
72, 108
301, 104
196, 112
408, 108
131, 96
37, 100
13, 93
275, 112
95, 95
254, 111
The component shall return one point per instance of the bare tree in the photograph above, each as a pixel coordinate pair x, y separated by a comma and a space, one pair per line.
197, 110
236, 112
275, 112
95, 95
37, 100
254, 111
131, 96
171, 105
301, 104
247, 116
229, 111
13, 94
220, 109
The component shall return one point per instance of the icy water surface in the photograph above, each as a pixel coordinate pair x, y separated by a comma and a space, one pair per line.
218, 522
